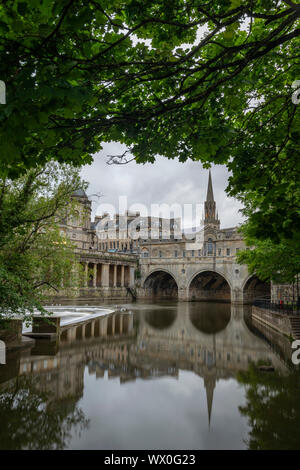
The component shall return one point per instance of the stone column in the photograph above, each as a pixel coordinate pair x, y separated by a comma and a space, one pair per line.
121, 323
95, 275
105, 275
103, 326
113, 325
131, 276
93, 328
71, 334
130, 323
115, 275
86, 267
122, 275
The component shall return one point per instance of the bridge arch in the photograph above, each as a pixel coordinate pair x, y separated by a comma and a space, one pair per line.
162, 284
253, 287
208, 318
161, 319
210, 286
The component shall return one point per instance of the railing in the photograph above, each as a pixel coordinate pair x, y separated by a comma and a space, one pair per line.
285, 306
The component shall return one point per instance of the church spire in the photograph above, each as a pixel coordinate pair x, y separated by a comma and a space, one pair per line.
209, 384
210, 216
210, 193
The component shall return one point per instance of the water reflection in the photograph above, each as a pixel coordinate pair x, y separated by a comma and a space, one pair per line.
33, 417
208, 320
96, 380
160, 318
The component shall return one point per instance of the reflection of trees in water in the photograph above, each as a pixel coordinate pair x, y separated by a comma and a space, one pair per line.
209, 318
272, 408
160, 318
30, 421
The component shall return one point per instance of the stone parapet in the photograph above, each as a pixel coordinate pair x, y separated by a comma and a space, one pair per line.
280, 322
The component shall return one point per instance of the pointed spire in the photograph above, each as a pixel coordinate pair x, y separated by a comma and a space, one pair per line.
209, 384
210, 193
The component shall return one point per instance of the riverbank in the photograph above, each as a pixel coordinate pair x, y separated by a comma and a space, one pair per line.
288, 325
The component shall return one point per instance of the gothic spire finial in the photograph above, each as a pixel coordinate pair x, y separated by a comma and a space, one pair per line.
209, 384
210, 193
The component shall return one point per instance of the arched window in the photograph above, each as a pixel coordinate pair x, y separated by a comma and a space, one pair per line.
210, 247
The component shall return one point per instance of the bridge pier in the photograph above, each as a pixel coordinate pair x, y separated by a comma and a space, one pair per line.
237, 296
183, 294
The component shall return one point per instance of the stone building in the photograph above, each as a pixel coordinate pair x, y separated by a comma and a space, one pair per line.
201, 268
156, 257
107, 275
123, 233
210, 240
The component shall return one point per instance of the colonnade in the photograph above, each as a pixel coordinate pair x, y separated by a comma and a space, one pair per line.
115, 324
108, 275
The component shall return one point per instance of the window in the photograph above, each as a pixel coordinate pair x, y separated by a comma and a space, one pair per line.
183, 254
199, 252
210, 247
175, 253
237, 250
160, 254
219, 251
145, 254
193, 253
228, 251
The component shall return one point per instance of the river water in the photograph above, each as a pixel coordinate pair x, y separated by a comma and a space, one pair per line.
154, 376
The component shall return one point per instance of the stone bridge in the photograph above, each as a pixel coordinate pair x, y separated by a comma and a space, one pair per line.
205, 278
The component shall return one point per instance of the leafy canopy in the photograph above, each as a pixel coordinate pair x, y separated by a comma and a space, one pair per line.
180, 78
208, 81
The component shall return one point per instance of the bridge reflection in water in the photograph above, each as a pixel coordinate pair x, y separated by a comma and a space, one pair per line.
211, 340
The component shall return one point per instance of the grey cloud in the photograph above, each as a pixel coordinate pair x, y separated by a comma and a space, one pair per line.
165, 181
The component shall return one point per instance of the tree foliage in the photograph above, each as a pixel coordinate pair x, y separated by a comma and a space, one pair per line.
270, 261
32, 420
208, 81
272, 408
35, 257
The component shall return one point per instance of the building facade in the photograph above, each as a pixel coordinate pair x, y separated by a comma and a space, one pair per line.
154, 256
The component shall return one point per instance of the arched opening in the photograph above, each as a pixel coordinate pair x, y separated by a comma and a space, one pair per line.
210, 318
161, 284
255, 288
209, 286
160, 318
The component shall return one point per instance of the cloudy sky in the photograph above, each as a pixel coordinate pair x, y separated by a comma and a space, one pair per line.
164, 182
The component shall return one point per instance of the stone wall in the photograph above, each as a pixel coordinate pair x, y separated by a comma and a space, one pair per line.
284, 292
278, 321
101, 293
11, 330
